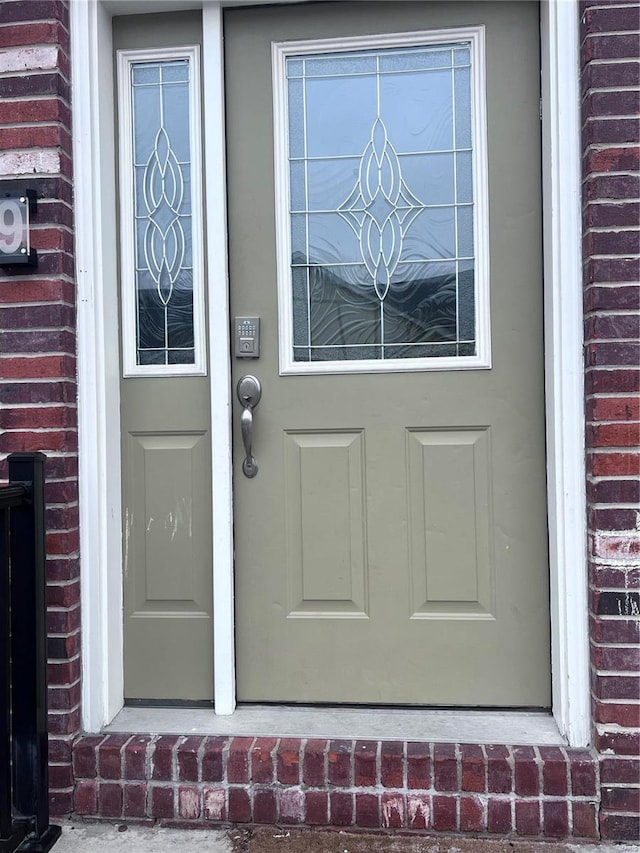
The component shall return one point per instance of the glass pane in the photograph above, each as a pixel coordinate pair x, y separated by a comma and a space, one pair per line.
294, 67
180, 314
345, 353
173, 112
416, 60
463, 107
146, 117
340, 65
461, 56
443, 350
331, 240
417, 109
381, 204
342, 308
146, 357
297, 183
162, 209
338, 115
466, 301
421, 306
464, 177
331, 181
175, 72
181, 356
296, 119
430, 177
300, 305
432, 235
143, 73
465, 232
299, 251
301, 353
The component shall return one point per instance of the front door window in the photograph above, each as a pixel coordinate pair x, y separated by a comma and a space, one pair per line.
381, 172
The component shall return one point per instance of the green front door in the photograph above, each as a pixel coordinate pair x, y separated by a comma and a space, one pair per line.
392, 547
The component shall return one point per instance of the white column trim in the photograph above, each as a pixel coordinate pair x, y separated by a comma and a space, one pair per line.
564, 370
100, 519
224, 673
98, 369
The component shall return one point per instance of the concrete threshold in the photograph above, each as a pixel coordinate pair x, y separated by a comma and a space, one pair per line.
524, 728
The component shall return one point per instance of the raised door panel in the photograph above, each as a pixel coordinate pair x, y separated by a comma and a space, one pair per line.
450, 523
167, 528
325, 512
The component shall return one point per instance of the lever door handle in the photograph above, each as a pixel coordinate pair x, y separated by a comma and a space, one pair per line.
249, 393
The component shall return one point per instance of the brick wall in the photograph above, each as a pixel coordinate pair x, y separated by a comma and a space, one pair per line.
37, 331
611, 193
445, 787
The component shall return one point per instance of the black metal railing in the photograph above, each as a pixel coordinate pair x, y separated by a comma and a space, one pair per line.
24, 782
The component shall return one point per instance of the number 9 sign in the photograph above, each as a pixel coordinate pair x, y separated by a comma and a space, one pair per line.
16, 207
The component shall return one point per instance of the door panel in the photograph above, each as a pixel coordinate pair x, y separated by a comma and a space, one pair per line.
164, 465
392, 547
165, 419
450, 524
325, 491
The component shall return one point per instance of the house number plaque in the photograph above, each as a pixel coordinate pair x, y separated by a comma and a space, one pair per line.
17, 207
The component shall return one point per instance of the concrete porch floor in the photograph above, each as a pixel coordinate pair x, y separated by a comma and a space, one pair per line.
80, 837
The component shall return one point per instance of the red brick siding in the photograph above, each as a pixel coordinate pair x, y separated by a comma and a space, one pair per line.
200, 781
37, 333
611, 211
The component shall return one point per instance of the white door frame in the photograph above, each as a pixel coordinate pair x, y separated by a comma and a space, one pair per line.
98, 370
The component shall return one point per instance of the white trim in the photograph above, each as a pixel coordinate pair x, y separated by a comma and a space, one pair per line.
475, 38
216, 202
564, 370
98, 370
125, 61
100, 519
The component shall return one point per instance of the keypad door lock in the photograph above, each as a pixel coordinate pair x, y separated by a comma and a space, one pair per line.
247, 337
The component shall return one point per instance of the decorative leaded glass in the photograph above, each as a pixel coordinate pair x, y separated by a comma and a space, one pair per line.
381, 204
162, 211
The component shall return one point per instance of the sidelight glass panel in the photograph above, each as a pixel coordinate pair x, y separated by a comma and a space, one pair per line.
381, 204
162, 209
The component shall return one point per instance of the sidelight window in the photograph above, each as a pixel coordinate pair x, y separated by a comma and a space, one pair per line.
160, 208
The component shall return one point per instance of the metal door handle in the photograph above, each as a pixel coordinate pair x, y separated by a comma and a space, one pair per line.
249, 393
